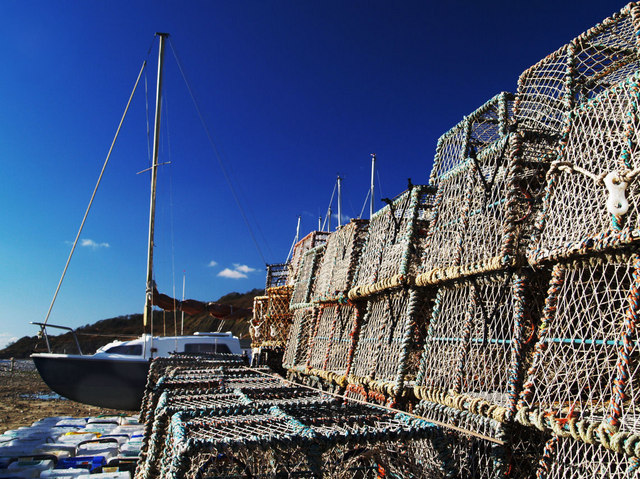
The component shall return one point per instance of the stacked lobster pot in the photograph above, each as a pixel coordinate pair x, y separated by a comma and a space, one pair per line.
312, 240
582, 386
320, 340
388, 332
298, 440
272, 317
489, 176
234, 397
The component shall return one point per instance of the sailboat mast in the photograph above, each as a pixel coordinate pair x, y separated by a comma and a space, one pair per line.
148, 302
373, 171
339, 201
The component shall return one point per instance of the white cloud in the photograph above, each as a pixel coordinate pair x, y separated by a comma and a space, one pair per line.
345, 218
239, 271
232, 273
6, 339
243, 268
89, 243
212, 263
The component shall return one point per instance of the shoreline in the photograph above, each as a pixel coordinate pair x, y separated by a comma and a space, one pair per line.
25, 398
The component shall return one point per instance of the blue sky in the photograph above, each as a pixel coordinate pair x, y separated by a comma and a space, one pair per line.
294, 93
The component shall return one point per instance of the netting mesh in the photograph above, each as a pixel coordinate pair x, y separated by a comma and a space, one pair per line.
391, 337
515, 369
565, 458
272, 318
277, 275
303, 287
260, 305
396, 239
341, 442
297, 350
330, 345
484, 207
601, 139
478, 130
584, 358
600, 57
336, 270
479, 335
312, 240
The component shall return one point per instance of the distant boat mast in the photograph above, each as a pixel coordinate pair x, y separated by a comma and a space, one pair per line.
148, 301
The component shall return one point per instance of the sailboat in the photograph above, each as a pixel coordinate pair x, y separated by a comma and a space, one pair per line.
116, 374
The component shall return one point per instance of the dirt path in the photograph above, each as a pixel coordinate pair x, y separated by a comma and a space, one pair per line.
18, 407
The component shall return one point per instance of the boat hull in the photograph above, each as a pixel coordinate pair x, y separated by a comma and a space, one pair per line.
102, 382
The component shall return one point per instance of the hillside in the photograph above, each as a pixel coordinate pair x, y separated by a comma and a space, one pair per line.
92, 336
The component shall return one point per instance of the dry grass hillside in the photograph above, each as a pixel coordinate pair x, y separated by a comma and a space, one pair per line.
93, 336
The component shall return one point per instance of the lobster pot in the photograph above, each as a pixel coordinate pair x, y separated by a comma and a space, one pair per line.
203, 380
277, 275
483, 209
585, 360
312, 240
390, 340
330, 345
480, 332
301, 296
336, 270
295, 441
467, 455
566, 458
395, 241
297, 350
260, 305
274, 329
225, 402
583, 204
486, 125
578, 71
163, 366
279, 299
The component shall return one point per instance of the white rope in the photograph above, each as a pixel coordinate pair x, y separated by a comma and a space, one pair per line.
95, 190
616, 183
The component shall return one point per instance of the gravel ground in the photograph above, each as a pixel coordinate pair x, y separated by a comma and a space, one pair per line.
24, 398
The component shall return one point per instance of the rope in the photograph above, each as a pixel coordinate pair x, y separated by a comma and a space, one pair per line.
386, 408
217, 154
93, 195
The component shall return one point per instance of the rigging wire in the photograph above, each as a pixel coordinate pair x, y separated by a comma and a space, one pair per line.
146, 105
171, 219
364, 205
335, 185
95, 190
380, 406
217, 154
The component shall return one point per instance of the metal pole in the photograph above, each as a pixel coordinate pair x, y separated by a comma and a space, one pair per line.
184, 277
148, 302
297, 230
329, 219
339, 201
373, 170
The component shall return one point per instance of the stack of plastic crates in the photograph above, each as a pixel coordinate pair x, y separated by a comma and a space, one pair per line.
301, 441
322, 328
581, 386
